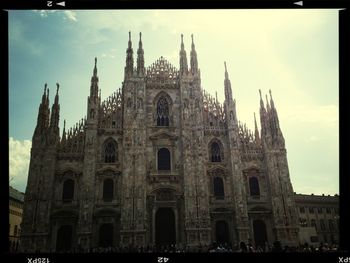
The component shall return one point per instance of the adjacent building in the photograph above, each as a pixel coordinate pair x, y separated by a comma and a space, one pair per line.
318, 218
16, 200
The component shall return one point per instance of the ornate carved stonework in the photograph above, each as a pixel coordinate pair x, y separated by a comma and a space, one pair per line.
160, 141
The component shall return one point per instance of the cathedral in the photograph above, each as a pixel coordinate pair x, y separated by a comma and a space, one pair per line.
159, 162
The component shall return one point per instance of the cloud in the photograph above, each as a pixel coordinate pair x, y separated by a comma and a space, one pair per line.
44, 13
67, 14
104, 55
19, 153
70, 15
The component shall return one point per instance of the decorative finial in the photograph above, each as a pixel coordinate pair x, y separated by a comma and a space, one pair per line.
129, 35
45, 87
95, 68
225, 65
267, 101
64, 124
260, 94
182, 38
192, 38
140, 36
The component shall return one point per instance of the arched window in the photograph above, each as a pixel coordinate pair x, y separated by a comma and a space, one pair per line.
254, 186
108, 189
68, 190
215, 152
162, 112
323, 225
163, 159
331, 225
110, 152
219, 192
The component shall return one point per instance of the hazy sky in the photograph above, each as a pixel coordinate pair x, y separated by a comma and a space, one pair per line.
292, 52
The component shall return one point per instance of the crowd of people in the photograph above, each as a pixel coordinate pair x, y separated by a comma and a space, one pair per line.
213, 248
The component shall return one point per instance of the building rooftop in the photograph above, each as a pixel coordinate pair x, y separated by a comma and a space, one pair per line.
16, 195
316, 198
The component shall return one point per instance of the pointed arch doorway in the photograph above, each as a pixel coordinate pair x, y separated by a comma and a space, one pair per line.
222, 232
106, 235
165, 230
64, 238
260, 234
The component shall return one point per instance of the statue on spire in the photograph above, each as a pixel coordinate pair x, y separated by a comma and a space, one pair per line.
194, 61
227, 84
140, 59
183, 57
129, 66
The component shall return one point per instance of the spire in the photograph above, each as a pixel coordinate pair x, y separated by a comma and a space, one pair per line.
47, 109
256, 134
267, 104
129, 42
129, 65
54, 120
64, 132
95, 68
42, 113
55, 112
261, 101
274, 118
140, 59
226, 73
47, 96
263, 116
94, 83
271, 100
43, 99
183, 57
56, 97
227, 84
194, 61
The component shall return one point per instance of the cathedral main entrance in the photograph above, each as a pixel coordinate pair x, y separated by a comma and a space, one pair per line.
106, 235
222, 232
64, 239
165, 227
260, 235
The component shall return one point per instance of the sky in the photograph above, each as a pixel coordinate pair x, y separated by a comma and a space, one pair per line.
292, 52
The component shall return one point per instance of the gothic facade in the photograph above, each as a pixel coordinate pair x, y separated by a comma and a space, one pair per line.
160, 161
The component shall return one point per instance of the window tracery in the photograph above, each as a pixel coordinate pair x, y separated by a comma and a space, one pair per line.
162, 112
